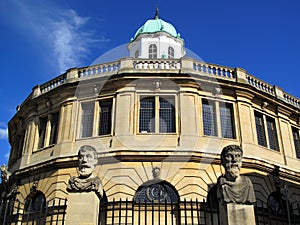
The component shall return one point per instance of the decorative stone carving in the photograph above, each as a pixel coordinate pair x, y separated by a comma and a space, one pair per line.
86, 181
231, 187
7, 190
156, 190
4, 174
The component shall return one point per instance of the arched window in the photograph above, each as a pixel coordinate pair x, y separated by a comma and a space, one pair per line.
152, 51
137, 54
156, 190
170, 53
35, 202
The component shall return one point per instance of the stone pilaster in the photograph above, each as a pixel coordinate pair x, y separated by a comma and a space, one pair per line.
233, 214
82, 209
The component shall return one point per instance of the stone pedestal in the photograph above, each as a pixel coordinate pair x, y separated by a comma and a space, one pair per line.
82, 209
233, 214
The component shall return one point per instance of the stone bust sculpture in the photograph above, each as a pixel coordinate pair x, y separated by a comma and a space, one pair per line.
232, 187
86, 181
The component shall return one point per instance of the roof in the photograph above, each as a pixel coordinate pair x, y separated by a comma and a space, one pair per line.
156, 25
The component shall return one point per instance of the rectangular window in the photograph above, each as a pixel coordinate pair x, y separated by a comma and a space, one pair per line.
226, 116
157, 114
166, 115
54, 128
105, 108
272, 133
260, 129
87, 120
42, 131
19, 144
266, 131
218, 119
209, 117
147, 115
296, 139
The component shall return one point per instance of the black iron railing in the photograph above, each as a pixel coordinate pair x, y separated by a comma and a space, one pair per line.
15, 212
158, 213
141, 213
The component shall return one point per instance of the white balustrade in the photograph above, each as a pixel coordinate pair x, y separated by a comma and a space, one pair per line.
101, 69
292, 100
261, 85
214, 70
160, 64
53, 83
201, 68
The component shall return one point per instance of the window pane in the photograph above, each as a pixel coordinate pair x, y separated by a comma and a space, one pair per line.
105, 117
42, 132
272, 133
147, 115
296, 141
166, 115
260, 130
19, 143
209, 118
54, 128
152, 51
227, 126
87, 119
170, 53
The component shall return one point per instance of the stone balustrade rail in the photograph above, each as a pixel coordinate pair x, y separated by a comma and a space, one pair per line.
291, 99
158, 64
260, 85
100, 69
53, 83
130, 65
215, 70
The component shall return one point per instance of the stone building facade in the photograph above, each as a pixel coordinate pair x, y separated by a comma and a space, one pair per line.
155, 109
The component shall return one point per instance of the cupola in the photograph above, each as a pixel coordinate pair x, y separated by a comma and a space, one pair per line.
156, 39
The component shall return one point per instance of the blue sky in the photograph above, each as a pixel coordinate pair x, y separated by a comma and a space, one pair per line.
41, 39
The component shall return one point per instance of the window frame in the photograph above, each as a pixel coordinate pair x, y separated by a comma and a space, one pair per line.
217, 118
157, 112
137, 54
81, 128
42, 131
53, 138
171, 52
152, 50
48, 138
296, 130
96, 122
265, 119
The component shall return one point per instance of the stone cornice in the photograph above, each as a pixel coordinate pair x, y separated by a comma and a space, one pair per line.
165, 156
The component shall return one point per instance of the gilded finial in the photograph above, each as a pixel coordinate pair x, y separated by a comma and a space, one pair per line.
156, 13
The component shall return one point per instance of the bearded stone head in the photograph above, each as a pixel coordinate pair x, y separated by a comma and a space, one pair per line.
231, 159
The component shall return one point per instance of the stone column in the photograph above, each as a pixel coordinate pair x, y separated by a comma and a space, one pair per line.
83, 209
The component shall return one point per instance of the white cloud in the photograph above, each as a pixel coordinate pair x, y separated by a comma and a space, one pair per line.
3, 133
71, 40
66, 35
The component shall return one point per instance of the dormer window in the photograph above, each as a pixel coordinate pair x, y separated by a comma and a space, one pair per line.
152, 51
171, 53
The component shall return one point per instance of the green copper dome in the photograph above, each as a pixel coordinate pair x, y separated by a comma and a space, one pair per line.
156, 25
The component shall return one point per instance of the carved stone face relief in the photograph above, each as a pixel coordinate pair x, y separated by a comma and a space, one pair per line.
87, 159
86, 181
